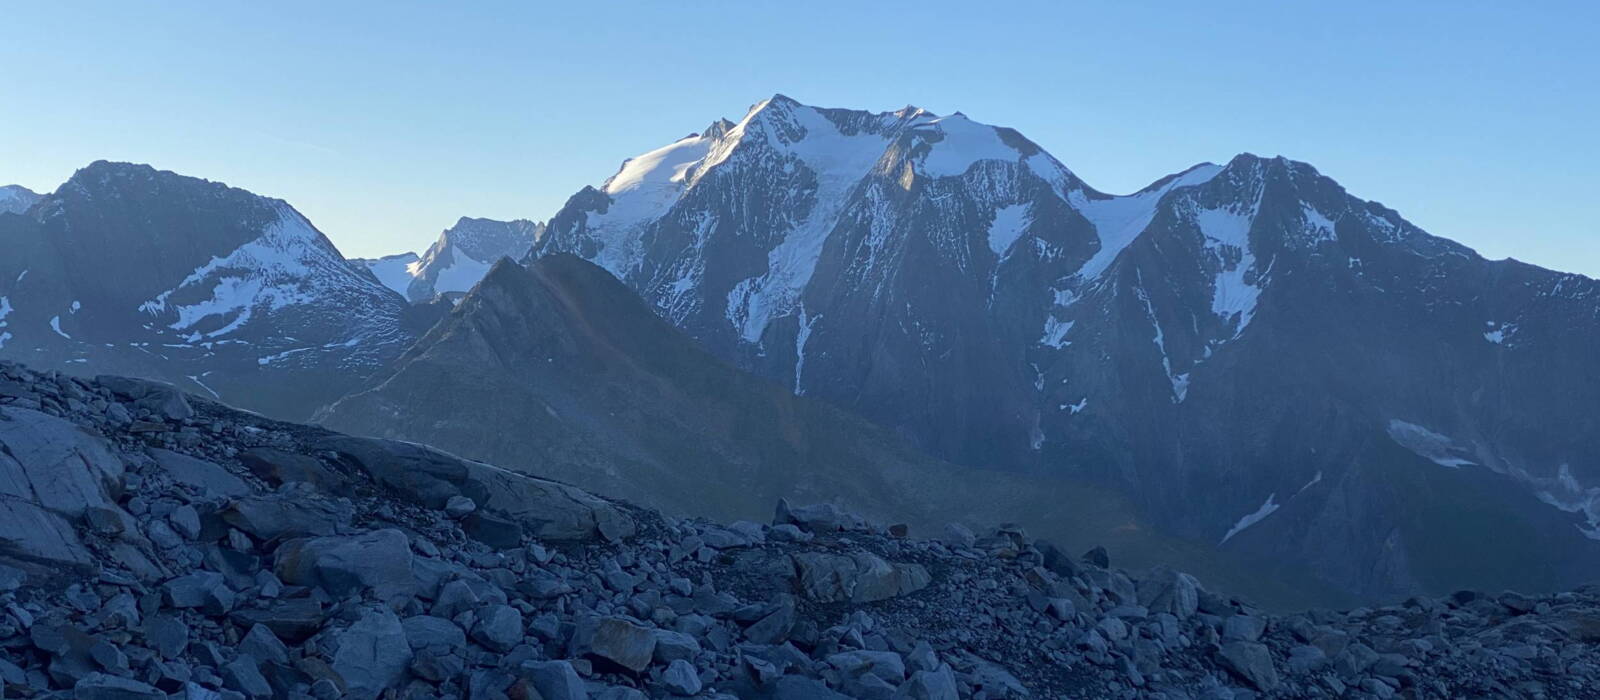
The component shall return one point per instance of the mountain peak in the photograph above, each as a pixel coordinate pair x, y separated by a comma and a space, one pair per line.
17, 199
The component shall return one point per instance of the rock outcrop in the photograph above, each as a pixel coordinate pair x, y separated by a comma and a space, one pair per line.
352, 567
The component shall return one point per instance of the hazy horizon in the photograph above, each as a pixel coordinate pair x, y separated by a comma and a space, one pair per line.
386, 127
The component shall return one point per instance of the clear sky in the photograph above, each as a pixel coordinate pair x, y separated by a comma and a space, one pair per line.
385, 121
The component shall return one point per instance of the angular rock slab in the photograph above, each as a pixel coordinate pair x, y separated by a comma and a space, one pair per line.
543, 508
380, 560
859, 578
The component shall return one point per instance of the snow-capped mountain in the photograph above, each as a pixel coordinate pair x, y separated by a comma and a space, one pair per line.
16, 199
132, 270
1262, 360
458, 259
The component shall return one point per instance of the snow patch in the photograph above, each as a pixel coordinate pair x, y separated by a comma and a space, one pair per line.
1055, 332
463, 274
394, 271
268, 273
1227, 236
55, 325
1439, 449
1120, 220
965, 142
1500, 333
1008, 225
839, 161
1076, 407
800, 338
1180, 382
1261, 513
1318, 227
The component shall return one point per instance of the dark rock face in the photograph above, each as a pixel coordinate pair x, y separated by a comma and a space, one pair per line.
1266, 363
590, 387
129, 270
400, 600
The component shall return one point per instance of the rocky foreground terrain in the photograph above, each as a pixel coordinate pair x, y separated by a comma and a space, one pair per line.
154, 545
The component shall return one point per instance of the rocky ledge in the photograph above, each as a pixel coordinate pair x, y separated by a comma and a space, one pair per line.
156, 545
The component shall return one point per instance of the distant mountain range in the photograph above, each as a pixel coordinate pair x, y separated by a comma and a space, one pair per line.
1253, 362
128, 269
1258, 358
455, 262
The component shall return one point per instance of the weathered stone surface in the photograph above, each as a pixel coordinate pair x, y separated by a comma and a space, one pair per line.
287, 514
555, 680
160, 398
617, 640
681, 679
372, 654
499, 627
545, 509
54, 464
1252, 662
208, 478
379, 560
101, 686
859, 578
278, 467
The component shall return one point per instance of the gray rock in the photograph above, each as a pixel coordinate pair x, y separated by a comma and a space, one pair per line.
278, 467
208, 478
425, 631
859, 578
100, 686
959, 536
939, 684
672, 646
243, 675
555, 680
186, 521
884, 664
681, 679
545, 509
168, 635
1248, 628
262, 645
379, 560
775, 627
372, 654
617, 640
160, 398
1252, 662
1165, 590
286, 515
195, 590
459, 507
499, 627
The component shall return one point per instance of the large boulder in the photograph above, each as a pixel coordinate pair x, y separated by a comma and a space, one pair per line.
208, 478
380, 560
294, 511
163, 400
1165, 590
861, 577
371, 654
1252, 662
53, 473
55, 464
546, 509
616, 640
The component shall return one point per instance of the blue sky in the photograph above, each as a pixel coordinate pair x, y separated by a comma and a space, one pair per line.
384, 122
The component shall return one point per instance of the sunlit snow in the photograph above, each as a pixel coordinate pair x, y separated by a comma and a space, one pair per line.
1008, 225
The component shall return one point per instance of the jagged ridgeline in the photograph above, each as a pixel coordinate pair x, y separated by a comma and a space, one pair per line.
1242, 369
163, 545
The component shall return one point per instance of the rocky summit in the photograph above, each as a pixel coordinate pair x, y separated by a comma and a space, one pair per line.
161, 545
